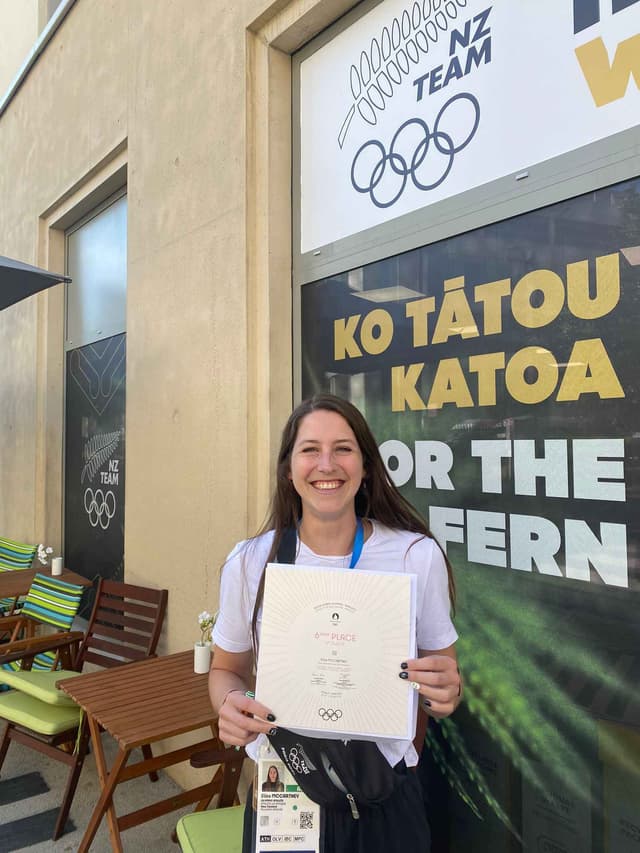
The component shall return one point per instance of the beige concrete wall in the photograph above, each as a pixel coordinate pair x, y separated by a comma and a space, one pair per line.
18, 34
191, 101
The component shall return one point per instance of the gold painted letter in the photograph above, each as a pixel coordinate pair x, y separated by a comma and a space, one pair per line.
544, 363
589, 371
403, 388
491, 294
607, 287
449, 386
486, 367
552, 289
383, 321
344, 346
455, 316
419, 311
609, 82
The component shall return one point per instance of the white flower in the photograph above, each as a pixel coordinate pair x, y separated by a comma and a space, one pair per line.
206, 622
43, 553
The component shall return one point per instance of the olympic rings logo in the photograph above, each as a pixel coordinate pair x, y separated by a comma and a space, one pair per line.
329, 714
407, 155
296, 762
100, 507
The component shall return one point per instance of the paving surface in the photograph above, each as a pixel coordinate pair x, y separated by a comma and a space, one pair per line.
26, 771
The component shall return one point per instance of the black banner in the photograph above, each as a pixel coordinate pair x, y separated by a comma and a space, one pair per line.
498, 371
95, 459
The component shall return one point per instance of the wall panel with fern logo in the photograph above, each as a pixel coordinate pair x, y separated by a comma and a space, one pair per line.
499, 371
95, 458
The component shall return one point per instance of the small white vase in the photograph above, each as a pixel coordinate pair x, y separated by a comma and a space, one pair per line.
56, 566
201, 657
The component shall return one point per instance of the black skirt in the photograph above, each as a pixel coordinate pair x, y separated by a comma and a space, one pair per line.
398, 825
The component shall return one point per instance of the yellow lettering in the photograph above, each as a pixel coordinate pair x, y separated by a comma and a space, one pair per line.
486, 367
531, 359
382, 321
491, 295
419, 311
608, 82
607, 287
449, 386
344, 345
403, 388
589, 371
455, 316
453, 283
552, 289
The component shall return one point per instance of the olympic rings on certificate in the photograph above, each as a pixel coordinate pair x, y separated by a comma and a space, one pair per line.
330, 714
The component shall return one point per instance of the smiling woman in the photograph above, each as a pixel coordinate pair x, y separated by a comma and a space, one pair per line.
326, 472
334, 498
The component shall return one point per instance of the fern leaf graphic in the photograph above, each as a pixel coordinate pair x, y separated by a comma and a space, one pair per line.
373, 78
97, 451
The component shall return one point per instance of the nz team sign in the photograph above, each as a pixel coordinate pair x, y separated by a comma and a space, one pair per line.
419, 101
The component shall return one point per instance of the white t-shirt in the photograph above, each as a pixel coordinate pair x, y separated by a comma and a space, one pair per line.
385, 550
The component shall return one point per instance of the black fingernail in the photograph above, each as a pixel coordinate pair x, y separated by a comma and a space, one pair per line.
271, 718
273, 731
427, 703
403, 674
404, 665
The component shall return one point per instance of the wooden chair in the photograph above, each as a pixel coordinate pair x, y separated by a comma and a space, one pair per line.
50, 602
14, 556
125, 626
218, 830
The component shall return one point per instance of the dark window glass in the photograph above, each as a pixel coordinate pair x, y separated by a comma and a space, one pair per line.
499, 374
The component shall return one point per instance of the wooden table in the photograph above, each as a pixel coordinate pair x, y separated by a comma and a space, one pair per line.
140, 704
18, 582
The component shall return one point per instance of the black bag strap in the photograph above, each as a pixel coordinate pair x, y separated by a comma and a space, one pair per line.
288, 546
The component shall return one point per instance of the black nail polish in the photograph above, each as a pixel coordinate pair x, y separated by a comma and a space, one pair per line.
404, 665
427, 703
271, 718
273, 731
403, 674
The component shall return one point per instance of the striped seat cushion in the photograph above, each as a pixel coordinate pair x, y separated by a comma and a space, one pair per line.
54, 602
14, 555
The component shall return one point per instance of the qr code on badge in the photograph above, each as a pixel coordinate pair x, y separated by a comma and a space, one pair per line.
306, 820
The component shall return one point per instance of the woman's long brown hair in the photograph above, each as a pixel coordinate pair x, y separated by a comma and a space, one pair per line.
378, 498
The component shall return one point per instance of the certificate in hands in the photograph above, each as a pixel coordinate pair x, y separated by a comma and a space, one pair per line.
331, 645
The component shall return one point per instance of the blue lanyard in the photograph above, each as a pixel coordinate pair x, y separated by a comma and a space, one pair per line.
358, 542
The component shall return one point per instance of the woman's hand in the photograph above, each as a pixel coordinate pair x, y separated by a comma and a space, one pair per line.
436, 677
241, 719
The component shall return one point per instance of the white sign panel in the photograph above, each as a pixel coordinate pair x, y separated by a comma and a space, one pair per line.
419, 101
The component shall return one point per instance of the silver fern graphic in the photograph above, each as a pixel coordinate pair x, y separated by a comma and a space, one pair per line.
390, 57
97, 451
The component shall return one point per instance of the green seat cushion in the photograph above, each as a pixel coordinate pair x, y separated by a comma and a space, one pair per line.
36, 715
40, 684
213, 831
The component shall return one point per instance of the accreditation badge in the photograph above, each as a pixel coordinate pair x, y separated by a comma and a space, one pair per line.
287, 821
